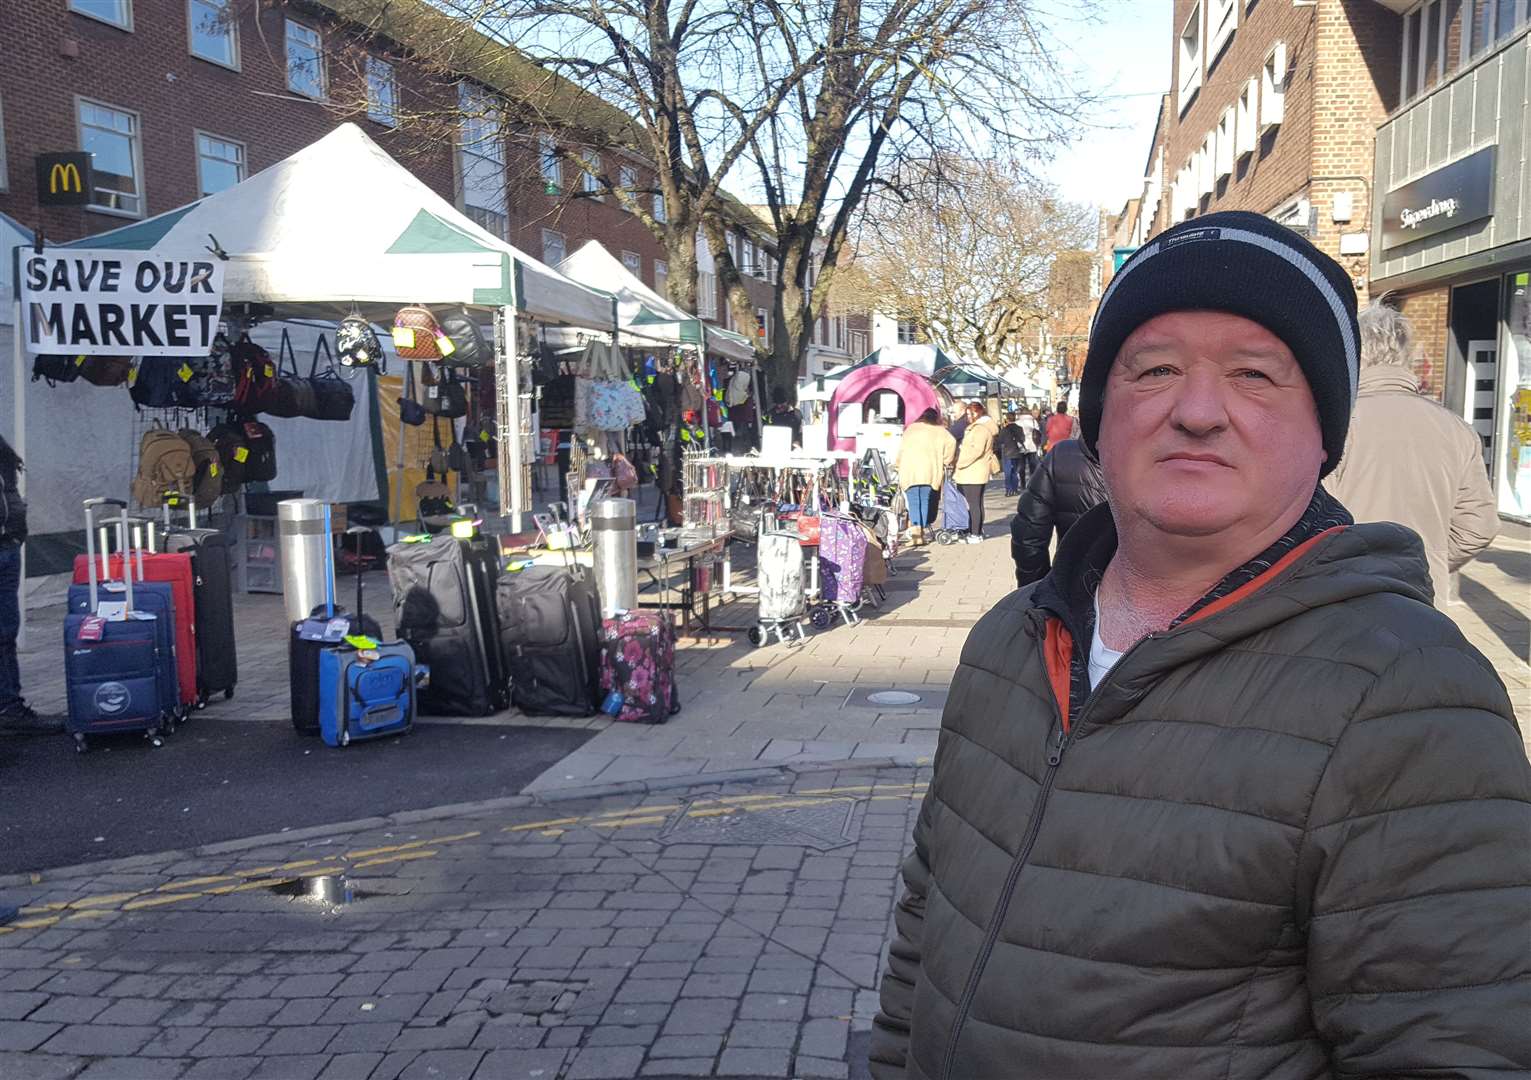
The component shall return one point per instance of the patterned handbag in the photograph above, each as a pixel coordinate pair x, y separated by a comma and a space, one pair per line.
418, 336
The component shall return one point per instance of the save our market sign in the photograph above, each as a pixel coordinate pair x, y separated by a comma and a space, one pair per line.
84, 302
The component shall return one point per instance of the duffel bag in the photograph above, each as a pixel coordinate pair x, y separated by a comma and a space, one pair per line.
332, 396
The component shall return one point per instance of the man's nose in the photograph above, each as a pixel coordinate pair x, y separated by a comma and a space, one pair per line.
1200, 408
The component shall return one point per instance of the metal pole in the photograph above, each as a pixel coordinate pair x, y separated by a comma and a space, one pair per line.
19, 444
507, 400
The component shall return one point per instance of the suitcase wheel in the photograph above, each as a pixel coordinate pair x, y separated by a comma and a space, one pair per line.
201, 701
81, 745
345, 737
228, 694
757, 636
820, 618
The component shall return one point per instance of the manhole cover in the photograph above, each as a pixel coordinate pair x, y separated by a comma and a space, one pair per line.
893, 697
820, 824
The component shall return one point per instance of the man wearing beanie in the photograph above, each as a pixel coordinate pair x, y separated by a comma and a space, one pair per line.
1222, 796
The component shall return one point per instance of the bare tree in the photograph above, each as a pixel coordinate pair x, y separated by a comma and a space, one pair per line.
970, 257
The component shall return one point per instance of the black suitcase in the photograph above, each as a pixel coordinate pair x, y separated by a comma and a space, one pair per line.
213, 596
550, 621
443, 607
326, 626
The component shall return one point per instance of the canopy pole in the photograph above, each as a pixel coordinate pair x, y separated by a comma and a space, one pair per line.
19, 444
507, 400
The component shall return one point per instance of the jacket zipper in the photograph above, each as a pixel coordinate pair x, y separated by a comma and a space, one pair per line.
1057, 743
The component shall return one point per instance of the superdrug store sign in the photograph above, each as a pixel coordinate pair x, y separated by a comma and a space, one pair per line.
1448, 198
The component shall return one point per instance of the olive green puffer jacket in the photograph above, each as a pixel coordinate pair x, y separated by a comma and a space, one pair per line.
1288, 838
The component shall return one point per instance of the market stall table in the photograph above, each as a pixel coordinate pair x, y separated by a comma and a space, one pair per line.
687, 556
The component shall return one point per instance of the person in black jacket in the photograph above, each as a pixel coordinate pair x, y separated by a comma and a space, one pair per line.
1066, 484
16, 716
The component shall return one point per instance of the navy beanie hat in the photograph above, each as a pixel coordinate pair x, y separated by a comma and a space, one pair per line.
1244, 264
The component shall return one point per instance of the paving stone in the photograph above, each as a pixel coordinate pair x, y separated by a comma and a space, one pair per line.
793, 980
753, 1063
687, 1046
378, 1009
246, 1012
642, 1035
631, 1014
294, 1067
415, 981
24, 1035
134, 1068
605, 1063
173, 1042
818, 1067
231, 1042
99, 1040
646, 991
306, 986
393, 1064
714, 985
493, 1036
767, 1033
699, 1017
68, 1009
299, 1040
133, 1011
443, 1065
15, 1005
40, 1067
230, 1068
350, 1067
824, 1039
357, 1038
301, 1011
434, 1038
521, 1065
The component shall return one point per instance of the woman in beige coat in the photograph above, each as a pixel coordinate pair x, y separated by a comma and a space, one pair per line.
925, 452
976, 464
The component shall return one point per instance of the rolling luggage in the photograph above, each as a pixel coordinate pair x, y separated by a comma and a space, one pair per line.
116, 678
443, 607
638, 661
782, 598
955, 518
173, 571
550, 621
213, 603
366, 693
326, 627
842, 558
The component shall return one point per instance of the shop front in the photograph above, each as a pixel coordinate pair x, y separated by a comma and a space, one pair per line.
1452, 246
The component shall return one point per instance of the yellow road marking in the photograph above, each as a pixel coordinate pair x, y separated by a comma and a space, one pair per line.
540, 824
630, 823
403, 857
176, 886
160, 901
258, 883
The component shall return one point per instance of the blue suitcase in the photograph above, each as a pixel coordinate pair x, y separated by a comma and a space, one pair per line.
366, 693
153, 598
116, 682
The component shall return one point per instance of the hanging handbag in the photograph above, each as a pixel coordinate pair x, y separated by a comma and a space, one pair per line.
260, 452
228, 438
152, 383
439, 454
469, 349
254, 377
418, 336
448, 397
333, 398
411, 412
293, 395
215, 381
104, 370
357, 344
55, 369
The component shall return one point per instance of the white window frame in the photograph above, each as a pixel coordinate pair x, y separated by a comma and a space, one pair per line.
549, 167
589, 178
706, 294
376, 66
481, 140
661, 212
5, 171
1206, 182
1224, 141
1246, 137
661, 276
82, 7
1222, 20
243, 163
1273, 77
910, 338
232, 14
138, 156
563, 243
318, 47
632, 262
1191, 53
627, 178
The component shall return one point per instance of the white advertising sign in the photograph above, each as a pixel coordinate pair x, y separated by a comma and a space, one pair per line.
84, 302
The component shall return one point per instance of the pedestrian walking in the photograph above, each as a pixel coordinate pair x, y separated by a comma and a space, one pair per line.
1060, 426
16, 716
1066, 485
976, 465
925, 453
1223, 795
1031, 433
1011, 445
1410, 460
959, 424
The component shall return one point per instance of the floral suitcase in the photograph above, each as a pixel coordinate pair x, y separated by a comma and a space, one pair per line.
842, 558
638, 661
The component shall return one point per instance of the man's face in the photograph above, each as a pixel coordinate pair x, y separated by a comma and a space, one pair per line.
1208, 425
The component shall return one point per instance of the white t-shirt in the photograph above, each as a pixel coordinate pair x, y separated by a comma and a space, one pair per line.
1102, 659
1029, 428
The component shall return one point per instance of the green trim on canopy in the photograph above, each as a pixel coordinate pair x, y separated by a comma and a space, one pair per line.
647, 316
140, 236
428, 234
691, 332
506, 293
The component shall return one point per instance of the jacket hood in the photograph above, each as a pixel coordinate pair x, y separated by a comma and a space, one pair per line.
1338, 565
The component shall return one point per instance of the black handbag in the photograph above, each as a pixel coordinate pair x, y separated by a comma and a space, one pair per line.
411, 412
333, 397
55, 369
448, 398
293, 395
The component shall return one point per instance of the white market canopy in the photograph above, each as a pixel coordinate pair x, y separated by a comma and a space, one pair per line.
643, 316
340, 223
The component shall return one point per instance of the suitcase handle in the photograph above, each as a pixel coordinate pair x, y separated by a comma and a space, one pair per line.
91, 506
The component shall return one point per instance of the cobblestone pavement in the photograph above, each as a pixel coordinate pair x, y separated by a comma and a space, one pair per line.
729, 930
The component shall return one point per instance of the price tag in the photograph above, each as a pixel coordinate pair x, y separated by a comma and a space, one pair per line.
185, 372
433, 392
483, 436
444, 345
79, 361
242, 454
132, 373
404, 337
92, 628
114, 610
269, 371
212, 468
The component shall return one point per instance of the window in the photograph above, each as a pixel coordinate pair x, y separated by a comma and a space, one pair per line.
547, 154
214, 29
1190, 59
220, 163
627, 178
1206, 165
661, 277
553, 247
706, 294
661, 215
1508, 17
1244, 119
1430, 46
590, 176
1222, 17
908, 333
118, 13
1224, 142
110, 137
481, 161
382, 92
1273, 87
634, 263
5, 176
305, 61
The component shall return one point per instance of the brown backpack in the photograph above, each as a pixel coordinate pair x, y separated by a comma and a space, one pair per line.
417, 335
207, 485
165, 463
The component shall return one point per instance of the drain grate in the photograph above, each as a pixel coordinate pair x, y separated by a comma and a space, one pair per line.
893, 697
903, 701
825, 824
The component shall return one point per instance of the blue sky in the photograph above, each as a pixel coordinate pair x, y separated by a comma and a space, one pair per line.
1126, 55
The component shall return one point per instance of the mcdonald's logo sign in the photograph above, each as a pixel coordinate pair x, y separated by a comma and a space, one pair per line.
64, 179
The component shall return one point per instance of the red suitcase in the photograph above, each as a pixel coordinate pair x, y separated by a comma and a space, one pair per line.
176, 570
